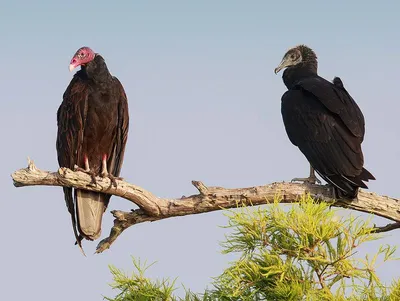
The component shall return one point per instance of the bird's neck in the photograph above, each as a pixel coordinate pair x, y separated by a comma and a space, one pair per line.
97, 70
300, 71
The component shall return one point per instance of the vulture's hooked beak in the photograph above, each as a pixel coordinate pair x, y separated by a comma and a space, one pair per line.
71, 67
283, 64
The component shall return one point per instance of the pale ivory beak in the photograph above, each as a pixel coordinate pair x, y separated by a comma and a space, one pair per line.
283, 64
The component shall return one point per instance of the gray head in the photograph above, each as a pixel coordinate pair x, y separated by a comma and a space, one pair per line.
300, 54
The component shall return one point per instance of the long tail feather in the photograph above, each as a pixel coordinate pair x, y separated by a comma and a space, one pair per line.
347, 187
90, 207
366, 175
70, 204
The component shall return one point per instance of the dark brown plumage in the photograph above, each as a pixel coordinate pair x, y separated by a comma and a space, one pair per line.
93, 123
324, 122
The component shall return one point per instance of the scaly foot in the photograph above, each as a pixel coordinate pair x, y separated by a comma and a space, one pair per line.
89, 172
309, 180
312, 179
105, 174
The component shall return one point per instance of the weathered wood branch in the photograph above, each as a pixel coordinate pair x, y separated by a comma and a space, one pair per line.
209, 199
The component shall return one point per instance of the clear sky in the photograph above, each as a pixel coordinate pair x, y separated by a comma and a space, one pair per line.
204, 105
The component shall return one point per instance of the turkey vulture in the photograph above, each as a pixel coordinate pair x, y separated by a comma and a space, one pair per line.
93, 123
324, 122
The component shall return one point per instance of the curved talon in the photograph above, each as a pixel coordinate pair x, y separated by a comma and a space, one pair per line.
93, 176
88, 172
111, 177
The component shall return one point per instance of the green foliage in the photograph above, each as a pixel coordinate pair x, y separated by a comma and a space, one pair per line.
304, 253
138, 287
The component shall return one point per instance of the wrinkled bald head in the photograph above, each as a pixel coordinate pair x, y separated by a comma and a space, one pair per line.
297, 55
81, 57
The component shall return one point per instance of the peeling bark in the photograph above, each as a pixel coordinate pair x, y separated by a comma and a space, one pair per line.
209, 199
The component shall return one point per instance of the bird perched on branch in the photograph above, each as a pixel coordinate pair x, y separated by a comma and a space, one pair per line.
324, 122
93, 123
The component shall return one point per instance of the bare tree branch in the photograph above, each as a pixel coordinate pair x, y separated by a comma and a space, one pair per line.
388, 227
209, 199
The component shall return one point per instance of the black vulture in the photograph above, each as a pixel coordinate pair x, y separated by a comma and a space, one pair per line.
324, 122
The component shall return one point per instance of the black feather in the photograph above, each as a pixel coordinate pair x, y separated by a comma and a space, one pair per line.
327, 125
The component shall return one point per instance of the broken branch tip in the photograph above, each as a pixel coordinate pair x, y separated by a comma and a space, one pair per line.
200, 187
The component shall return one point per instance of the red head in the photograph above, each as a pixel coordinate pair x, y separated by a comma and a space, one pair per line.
81, 57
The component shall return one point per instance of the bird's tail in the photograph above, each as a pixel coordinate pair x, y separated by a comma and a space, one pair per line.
347, 187
90, 207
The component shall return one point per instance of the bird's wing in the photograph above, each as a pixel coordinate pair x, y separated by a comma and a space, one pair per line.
71, 117
324, 139
118, 150
337, 100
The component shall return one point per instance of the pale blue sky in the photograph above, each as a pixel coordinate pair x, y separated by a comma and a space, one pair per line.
204, 105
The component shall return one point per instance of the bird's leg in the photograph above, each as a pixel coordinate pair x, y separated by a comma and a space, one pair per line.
105, 174
312, 179
87, 170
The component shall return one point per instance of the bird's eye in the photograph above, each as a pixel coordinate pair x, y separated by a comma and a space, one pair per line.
292, 56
